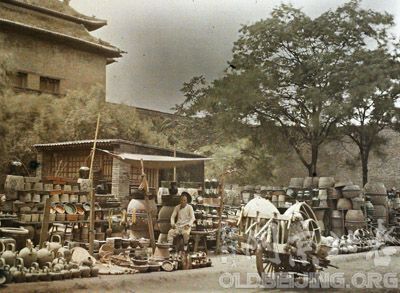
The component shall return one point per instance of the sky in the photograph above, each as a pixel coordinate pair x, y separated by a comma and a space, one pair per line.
170, 41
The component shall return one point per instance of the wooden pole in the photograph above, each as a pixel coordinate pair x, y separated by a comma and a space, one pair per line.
44, 232
145, 187
92, 195
174, 179
221, 207
221, 193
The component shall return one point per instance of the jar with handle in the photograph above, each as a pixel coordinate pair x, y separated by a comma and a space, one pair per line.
28, 254
44, 255
55, 243
19, 274
9, 254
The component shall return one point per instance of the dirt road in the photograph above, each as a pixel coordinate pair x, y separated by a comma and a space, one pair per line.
235, 273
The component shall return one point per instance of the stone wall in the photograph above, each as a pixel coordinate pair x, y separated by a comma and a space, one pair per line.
340, 159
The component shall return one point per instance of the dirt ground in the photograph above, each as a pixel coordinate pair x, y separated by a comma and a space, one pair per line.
229, 274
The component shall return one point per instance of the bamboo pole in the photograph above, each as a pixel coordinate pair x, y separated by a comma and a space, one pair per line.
174, 179
92, 196
221, 193
144, 185
221, 207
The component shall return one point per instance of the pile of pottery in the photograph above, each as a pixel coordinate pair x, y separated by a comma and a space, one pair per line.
48, 263
19, 189
140, 261
361, 240
69, 212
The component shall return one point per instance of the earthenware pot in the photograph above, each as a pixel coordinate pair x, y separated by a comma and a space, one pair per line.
85, 271
44, 274
44, 255
28, 254
9, 255
55, 243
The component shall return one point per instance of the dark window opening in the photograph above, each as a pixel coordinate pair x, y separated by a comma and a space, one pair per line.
49, 85
21, 80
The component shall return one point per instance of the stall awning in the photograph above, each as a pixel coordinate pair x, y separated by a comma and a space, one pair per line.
155, 162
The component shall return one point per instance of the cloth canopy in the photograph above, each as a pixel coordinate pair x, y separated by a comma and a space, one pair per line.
155, 162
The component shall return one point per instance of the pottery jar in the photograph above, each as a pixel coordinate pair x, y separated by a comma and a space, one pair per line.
85, 271
55, 198
73, 198
18, 274
9, 254
45, 197
28, 254
44, 255
55, 243
36, 198
64, 197
76, 272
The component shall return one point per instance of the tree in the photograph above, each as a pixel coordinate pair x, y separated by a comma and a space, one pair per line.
288, 75
370, 104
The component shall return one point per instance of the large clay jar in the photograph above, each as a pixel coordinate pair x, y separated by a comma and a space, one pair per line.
344, 204
19, 234
44, 255
351, 191
140, 226
337, 219
326, 182
164, 216
28, 254
355, 219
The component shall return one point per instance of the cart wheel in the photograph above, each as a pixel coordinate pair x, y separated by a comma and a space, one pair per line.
261, 266
269, 263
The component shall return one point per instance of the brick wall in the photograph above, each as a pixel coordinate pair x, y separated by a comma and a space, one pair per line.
76, 69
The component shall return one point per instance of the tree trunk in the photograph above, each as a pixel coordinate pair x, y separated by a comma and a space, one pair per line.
364, 155
312, 171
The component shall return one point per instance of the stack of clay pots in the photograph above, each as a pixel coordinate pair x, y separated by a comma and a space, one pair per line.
341, 203
296, 183
247, 193
310, 182
355, 218
337, 222
323, 198
376, 192
326, 190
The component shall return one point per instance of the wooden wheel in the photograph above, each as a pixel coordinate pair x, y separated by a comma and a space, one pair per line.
261, 266
267, 262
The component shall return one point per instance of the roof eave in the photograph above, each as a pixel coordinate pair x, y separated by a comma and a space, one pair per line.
106, 142
109, 52
90, 24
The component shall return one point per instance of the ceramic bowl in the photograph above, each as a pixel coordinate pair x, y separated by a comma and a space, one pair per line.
70, 208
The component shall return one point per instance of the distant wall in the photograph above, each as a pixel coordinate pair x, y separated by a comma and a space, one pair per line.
340, 160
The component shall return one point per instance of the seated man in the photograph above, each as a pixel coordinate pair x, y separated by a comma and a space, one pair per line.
183, 214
